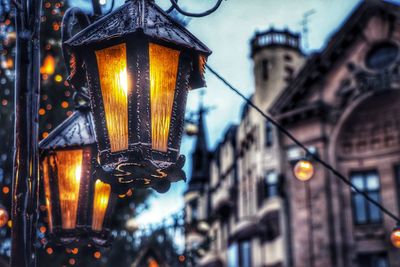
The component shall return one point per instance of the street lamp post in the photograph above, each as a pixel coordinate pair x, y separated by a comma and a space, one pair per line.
26, 158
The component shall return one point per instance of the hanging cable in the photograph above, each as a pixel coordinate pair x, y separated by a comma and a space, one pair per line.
302, 146
190, 14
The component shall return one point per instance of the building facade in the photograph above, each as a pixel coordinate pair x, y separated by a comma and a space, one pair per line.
343, 104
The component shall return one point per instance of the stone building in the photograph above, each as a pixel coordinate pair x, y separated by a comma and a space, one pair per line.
343, 103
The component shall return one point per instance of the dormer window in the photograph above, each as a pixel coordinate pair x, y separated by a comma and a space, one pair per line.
382, 56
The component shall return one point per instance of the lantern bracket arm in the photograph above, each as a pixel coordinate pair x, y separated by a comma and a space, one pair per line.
74, 20
175, 6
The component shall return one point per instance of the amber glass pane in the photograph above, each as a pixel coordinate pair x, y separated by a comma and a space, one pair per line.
163, 72
102, 193
111, 63
47, 164
69, 166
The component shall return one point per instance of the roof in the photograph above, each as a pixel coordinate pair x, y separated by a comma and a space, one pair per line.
134, 16
77, 130
319, 63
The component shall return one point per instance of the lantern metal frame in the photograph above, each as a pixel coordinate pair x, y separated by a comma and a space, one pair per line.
76, 132
137, 24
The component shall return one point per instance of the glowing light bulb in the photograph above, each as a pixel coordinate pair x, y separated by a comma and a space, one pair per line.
395, 237
303, 170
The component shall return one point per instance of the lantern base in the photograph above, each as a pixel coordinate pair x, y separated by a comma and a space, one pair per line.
143, 174
81, 236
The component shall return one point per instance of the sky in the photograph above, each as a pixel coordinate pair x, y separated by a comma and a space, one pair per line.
227, 32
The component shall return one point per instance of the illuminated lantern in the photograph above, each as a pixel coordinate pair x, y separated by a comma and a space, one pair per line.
140, 65
4, 217
303, 170
395, 237
78, 203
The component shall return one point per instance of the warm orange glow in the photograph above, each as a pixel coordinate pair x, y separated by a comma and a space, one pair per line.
6, 190
114, 88
64, 104
49, 65
42, 229
49, 251
304, 170
9, 223
42, 111
69, 164
395, 237
48, 162
97, 255
102, 193
153, 263
75, 251
163, 73
3, 217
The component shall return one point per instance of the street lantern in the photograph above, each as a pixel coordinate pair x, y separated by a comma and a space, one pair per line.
78, 203
140, 65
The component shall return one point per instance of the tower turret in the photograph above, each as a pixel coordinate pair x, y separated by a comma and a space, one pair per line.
277, 57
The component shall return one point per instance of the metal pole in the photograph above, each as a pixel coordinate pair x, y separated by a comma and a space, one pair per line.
26, 158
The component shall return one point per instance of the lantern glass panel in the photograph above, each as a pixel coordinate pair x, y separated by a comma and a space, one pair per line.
102, 193
111, 64
49, 161
163, 74
69, 166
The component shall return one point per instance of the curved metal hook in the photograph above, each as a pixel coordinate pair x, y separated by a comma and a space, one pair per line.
169, 10
189, 14
71, 18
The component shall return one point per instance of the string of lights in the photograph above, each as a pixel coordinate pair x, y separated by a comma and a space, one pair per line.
309, 153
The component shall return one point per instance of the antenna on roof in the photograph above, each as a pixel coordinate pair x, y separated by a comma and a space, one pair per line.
305, 26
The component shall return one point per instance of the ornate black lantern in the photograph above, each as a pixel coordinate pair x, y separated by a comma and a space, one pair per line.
78, 203
140, 65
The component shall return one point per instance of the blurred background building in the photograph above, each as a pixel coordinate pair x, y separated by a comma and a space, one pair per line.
243, 205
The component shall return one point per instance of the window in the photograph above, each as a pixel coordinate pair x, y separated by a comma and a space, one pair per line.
289, 73
365, 212
373, 260
245, 254
264, 70
194, 211
382, 56
288, 58
233, 258
239, 254
271, 182
268, 134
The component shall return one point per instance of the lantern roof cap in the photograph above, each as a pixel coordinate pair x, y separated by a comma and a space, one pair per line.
134, 16
77, 130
